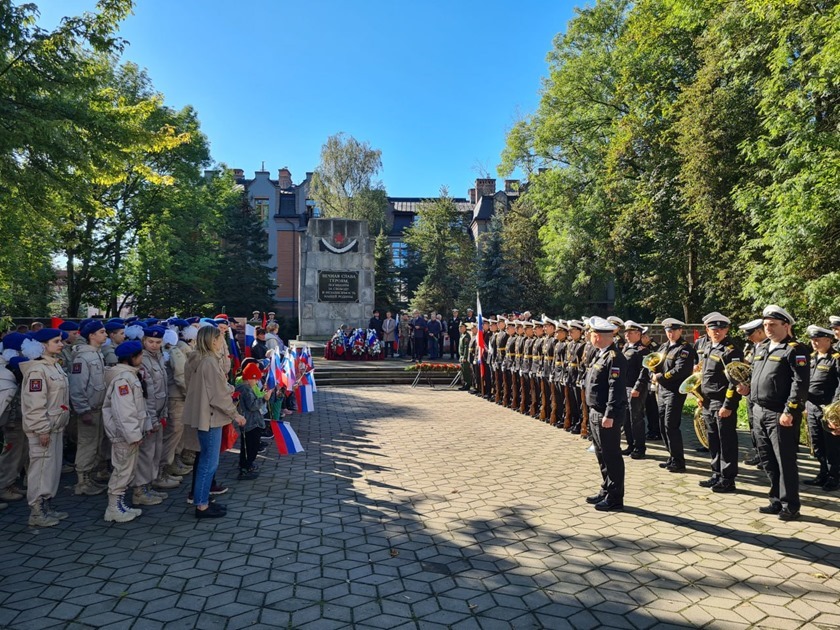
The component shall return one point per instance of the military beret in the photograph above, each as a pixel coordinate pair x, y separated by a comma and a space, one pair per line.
773, 311
221, 320
13, 341
112, 326
15, 362
45, 334
131, 320
117, 320
152, 321
192, 320
154, 332
631, 325
180, 324
128, 349
68, 326
91, 328
601, 325
817, 331
221, 316
751, 326
835, 320
672, 322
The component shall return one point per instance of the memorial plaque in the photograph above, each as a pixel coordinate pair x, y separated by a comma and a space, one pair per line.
338, 286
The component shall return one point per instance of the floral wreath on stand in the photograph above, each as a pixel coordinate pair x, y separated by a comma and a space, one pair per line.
374, 345
338, 342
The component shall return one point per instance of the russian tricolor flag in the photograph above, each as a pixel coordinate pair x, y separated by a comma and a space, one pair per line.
286, 439
250, 336
480, 323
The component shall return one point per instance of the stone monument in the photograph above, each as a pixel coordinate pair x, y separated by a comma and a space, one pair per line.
336, 277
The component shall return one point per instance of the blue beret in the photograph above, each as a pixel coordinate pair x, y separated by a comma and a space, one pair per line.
128, 349
91, 328
85, 322
193, 320
14, 341
152, 321
45, 334
68, 326
207, 320
180, 324
221, 320
154, 332
131, 320
16, 361
116, 320
112, 326
65, 335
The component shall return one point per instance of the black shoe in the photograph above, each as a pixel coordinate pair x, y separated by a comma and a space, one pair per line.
831, 484
666, 463
761, 466
637, 455
724, 486
595, 499
701, 449
653, 436
755, 460
248, 475
627, 451
210, 512
787, 515
773, 508
575, 431
609, 506
816, 481
676, 468
261, 448
710, 482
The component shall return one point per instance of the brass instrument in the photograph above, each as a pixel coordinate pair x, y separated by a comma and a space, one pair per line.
691, 385
831, 418
738, 372
652, 360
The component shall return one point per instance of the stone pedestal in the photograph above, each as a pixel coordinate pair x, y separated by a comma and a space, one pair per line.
336, 277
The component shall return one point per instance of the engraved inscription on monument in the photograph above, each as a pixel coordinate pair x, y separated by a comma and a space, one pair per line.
338, 286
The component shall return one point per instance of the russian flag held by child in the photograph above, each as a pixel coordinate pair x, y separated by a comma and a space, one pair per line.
286, 439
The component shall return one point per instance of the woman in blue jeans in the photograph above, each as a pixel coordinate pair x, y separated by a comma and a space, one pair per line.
208, 407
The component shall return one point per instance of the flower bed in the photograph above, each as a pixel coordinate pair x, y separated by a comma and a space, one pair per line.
433, 367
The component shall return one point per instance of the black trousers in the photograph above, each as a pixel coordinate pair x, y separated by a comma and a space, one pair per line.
488, 380
249, 442
575, 405
453, 344
753, 425
608, 451
634, 424
778, 447
826, 446
670, 418
419, 348
652, 413
723, 439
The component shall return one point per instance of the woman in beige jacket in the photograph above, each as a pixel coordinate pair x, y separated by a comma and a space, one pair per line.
208, 407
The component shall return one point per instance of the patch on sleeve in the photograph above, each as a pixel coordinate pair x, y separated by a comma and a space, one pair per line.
124, 391
36, 385
614, 372
801, 360
684, 353
77, 368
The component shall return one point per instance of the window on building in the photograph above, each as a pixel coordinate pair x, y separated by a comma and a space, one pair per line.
261, 207
399, 254
313, 209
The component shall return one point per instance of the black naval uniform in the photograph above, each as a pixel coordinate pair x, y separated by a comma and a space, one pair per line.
779, 384
718, 393
638, 380
606, 396
508, 363
574, 359
823, 390
547, 377
499, 364
675, 368
527, 357
558, 416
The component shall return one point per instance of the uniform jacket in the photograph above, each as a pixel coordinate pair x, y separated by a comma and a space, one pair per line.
637, 377
209, 403
527, 355
560, 362
464, 348
389, 326
518, 348
605, 384
66, 356
825, 376
548, 357
715, 384
537, 356
472, 349
8, 389
45, 396
780, 377
678, 364
574, 361
157, 388
589, 354
176, 382
109, 354
87, 379
492, 349
124, 411
501, 349
510, 352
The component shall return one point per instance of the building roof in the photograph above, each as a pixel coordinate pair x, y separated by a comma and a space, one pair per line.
412, 204
484, 209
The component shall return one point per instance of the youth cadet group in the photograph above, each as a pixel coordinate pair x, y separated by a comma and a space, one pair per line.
92, 376
580, 375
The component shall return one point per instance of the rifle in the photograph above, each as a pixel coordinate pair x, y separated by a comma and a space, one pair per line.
552, 420
543, 399
526, 390
584, 425
514, 401
567, 421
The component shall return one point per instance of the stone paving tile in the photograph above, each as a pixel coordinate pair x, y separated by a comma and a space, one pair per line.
414, 508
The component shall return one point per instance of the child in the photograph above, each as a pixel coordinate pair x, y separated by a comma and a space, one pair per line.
252, 399
123, 417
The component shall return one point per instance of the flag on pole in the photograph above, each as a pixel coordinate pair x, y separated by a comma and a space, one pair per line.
250, 335
265, 321
235, 357
55, 322
286, 439
480, 323
397, 335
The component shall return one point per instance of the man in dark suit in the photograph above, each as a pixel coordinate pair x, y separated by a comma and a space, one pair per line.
454, 327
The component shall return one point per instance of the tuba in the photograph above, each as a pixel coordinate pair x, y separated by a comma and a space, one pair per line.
652, 360
738, 372
831, 418
691, 385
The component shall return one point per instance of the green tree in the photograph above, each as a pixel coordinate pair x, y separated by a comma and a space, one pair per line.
440, 235
343, 184
384, 274
494, 279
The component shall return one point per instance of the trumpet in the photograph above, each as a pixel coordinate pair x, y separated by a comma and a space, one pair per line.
652, 360
738, 372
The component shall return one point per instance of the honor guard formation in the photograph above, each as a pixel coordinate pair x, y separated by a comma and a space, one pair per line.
601, 378
144, 402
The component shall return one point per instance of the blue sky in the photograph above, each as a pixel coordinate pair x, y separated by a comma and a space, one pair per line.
434, 84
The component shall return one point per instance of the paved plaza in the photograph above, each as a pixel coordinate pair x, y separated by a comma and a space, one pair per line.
430, 508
